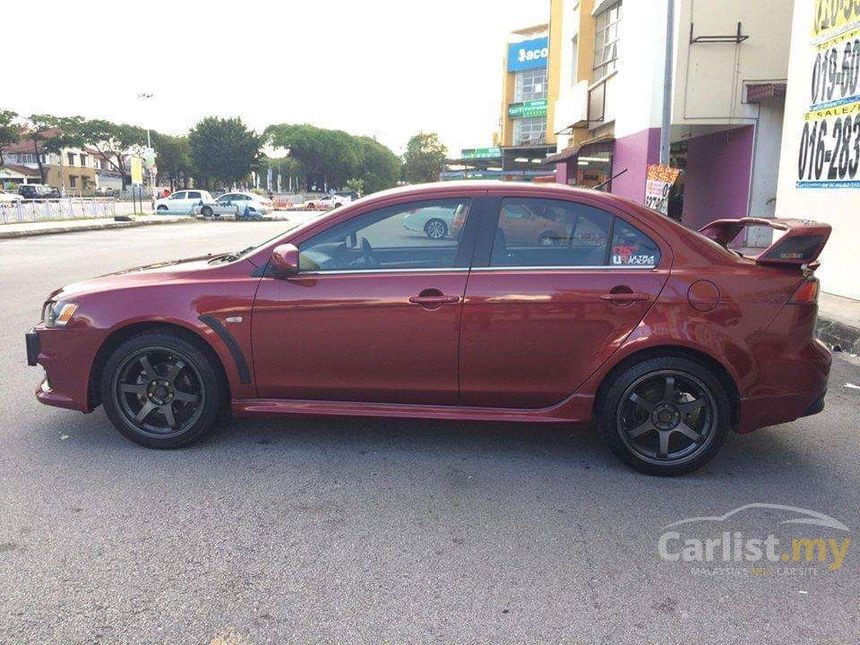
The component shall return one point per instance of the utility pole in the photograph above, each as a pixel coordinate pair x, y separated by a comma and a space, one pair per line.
666, 125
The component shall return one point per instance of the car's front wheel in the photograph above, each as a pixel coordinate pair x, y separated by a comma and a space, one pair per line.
162, 391
206, 211
665, 416
161, 208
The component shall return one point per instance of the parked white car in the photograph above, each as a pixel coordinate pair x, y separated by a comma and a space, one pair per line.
186, 202
240, 205
328, 201
9, 198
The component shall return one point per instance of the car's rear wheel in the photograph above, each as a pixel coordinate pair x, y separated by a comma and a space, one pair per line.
547, 239
665, 416
436, 229
162, 391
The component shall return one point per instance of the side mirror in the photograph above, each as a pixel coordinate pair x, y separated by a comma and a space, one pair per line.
285, 260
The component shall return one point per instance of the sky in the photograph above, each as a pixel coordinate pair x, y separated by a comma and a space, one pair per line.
382, 68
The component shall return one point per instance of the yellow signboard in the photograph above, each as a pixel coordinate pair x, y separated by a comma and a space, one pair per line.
137, 171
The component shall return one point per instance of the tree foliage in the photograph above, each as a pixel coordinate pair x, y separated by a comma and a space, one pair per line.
333, 157
114, 142
223, 151
10, 131
424, 158
173, 158
50, 134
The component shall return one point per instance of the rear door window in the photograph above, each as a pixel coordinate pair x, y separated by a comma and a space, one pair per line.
535, 232
547, 232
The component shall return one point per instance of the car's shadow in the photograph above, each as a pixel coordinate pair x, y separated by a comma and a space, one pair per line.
547, 450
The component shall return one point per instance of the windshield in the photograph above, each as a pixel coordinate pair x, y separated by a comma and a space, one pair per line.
236, 255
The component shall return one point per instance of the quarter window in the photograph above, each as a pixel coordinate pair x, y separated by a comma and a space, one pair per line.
418, 235
632, 247
193, 195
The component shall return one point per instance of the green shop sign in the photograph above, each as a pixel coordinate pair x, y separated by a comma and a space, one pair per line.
481, 153
527, 109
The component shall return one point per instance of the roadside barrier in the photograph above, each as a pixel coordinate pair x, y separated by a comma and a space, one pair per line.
46, 210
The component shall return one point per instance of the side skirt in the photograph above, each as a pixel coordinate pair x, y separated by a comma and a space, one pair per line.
576, 409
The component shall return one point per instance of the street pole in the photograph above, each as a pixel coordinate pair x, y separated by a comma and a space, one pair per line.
666, 125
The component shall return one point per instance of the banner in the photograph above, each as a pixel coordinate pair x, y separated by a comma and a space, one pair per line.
829, 152
658, 184
137, 171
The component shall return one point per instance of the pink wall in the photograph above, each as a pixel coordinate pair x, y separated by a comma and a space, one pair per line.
634, 152
718, 176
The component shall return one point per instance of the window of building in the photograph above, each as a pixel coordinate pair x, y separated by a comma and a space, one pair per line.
530, 85
83, 161
574, 59
530, 131
606, 25
71, 158
73, 181
418, 235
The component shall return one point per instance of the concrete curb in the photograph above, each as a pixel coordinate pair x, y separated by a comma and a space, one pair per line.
5, 235
835, 334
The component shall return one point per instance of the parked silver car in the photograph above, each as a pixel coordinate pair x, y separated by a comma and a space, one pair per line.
434, 221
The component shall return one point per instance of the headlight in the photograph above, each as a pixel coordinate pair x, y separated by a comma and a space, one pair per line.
57, 314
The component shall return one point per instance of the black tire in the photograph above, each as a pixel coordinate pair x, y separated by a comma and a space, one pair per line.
161, 208
665, 416
206, 211
178, 375
436, 229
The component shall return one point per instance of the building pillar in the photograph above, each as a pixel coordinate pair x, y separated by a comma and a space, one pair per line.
634, 153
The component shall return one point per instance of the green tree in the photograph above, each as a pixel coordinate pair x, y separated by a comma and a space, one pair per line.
50, 134
10, 131
114, 143
356, 185
223, 150
424, 158
380, 167
333, 157
173, 158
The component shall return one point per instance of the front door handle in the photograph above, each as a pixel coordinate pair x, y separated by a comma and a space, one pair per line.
434, 301
625, 297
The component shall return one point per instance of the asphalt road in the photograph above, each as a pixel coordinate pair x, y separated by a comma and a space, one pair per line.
366, 530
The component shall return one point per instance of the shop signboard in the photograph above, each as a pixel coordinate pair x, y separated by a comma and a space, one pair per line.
829, 152
658, 184
481, 153
528, 54
527, 109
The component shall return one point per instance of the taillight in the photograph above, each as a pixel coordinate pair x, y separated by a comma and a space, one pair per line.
806, 293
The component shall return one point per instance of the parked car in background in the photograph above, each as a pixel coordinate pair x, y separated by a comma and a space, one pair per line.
435, 222
661, 337
39, 191
328, 202
9, 198
186, 202
240, 205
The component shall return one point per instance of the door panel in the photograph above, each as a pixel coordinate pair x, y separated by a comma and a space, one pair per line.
357, 337
530, 338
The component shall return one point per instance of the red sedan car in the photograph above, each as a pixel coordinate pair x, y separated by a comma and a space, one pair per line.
664, 337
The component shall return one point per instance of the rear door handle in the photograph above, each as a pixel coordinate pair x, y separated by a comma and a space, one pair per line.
625, 297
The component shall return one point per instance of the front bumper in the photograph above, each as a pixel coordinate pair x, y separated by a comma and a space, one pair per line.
67, 358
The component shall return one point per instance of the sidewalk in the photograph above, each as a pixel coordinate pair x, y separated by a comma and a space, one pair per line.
839, 322
52, 227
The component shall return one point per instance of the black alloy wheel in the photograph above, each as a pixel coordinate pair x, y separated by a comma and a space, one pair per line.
161, 390
665, 416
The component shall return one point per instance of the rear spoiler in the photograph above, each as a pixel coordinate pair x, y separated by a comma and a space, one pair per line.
800, 246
